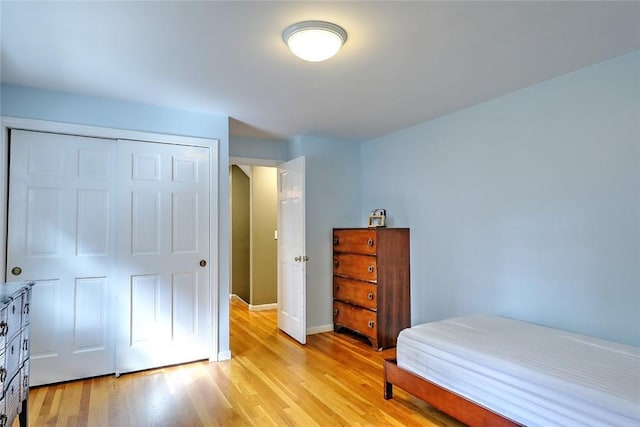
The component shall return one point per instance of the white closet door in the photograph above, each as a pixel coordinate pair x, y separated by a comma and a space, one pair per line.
61, 230
163, 255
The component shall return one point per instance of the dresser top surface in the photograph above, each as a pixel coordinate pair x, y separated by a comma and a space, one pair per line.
9, 289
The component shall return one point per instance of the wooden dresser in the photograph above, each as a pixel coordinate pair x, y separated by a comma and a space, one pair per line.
371, 283
15, 299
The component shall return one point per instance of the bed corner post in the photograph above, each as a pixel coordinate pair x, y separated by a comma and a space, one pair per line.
388, 387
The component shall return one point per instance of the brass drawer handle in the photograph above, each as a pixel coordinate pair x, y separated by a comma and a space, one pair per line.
371, 323
335, 311
370, 269
336, 241
370, 242
370, 295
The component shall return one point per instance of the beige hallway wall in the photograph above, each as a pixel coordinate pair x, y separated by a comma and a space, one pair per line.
264, 222
240, 234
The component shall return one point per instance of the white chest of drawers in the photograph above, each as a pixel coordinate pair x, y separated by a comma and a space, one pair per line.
15, 301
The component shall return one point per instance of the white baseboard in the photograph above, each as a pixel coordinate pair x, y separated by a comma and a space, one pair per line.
237, 298
310, 331
263, 307
320, 329
224, 355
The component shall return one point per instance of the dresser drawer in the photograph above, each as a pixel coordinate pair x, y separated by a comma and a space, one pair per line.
360, 293
4, 327
356, 241
4, 375
355, 318
12, 356
12, 399
14, 315
24, 382
26, 308
361, 267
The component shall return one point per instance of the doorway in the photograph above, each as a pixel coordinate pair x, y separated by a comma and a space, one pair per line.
253, 220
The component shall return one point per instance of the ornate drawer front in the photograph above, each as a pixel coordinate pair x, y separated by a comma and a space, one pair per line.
4, 376
4, 327
361, 267
24, 382
355, 318
356, 241
26, 309
14, 316
360, 293
12, 398
12, 356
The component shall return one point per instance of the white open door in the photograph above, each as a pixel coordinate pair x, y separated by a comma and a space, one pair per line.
292, 281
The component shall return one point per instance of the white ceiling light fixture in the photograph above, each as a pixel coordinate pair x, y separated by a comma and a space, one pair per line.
314, 41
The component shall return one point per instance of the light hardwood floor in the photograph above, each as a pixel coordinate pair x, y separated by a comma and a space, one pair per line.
271, 380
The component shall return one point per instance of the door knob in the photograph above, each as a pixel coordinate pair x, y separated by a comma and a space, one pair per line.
16, 271
203, 263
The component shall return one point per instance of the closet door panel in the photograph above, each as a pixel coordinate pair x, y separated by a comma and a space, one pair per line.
61, 234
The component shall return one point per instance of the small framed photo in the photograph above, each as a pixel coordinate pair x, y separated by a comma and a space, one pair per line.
377, 218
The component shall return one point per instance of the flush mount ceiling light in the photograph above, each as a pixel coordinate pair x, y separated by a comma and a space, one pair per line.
314, 41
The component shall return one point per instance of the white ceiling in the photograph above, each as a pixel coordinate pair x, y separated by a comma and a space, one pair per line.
403, 63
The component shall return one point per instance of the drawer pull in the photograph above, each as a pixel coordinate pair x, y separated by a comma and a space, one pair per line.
25, 345
335, 311
336, 241
336, 262
4, 328
13, 309
336, 288
371, 323
3, 374
370, 242
370, 295
26, 309
370, 269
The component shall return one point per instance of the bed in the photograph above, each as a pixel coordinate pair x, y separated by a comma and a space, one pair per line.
494, 371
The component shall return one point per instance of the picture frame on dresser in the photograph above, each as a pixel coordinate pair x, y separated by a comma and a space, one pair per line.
378, 218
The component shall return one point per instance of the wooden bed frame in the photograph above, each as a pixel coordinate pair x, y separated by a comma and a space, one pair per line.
440, 398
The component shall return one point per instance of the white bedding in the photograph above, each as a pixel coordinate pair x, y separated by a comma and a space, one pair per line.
534, 375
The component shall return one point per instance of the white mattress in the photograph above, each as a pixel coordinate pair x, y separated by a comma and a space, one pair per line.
531, 374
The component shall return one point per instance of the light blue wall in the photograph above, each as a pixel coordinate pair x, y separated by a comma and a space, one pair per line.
24, 102
526, 206
332, 191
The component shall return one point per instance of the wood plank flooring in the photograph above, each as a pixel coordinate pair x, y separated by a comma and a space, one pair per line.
271, 380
